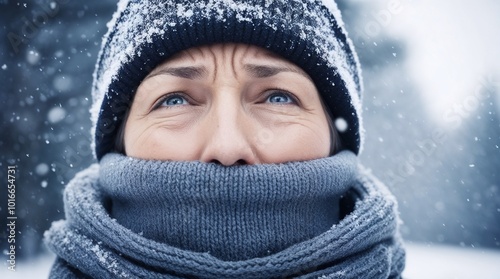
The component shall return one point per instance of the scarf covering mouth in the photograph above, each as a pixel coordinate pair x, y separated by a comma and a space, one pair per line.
132, 218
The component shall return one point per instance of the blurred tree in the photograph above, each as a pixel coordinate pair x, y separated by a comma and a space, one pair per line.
47, 58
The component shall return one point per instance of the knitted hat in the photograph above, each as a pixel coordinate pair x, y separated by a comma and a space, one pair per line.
144, 33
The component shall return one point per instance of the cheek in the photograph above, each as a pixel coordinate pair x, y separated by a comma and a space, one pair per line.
157, 142
298, 141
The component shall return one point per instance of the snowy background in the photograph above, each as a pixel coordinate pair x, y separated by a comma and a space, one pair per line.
432, 104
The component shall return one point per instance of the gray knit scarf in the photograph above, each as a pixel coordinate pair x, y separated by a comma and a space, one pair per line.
131, 218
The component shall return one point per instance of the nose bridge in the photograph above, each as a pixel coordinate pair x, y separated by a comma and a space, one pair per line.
228, 143
227, 112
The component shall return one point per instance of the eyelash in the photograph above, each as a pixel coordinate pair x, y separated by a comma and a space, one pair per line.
266, 95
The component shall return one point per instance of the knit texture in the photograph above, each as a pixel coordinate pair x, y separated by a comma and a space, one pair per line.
144, 33
91, 243
231, 213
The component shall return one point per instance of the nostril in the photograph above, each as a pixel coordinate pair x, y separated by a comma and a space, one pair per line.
240, 162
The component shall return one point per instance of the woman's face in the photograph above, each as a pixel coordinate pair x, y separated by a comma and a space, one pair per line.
230, 104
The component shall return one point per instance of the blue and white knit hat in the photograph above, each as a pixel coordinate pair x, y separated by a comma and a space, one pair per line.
144, 33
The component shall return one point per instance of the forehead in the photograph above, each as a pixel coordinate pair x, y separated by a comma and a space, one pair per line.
236, 54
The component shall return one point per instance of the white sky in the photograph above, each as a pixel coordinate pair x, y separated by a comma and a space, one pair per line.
453, 46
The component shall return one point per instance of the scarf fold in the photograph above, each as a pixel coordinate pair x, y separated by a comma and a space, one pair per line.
131, 218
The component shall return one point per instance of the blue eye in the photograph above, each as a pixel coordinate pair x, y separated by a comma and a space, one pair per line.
174, 100
280, 98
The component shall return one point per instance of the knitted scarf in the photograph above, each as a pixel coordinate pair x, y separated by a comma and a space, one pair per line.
131, 218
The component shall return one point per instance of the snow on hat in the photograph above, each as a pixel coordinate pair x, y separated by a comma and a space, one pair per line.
144, 33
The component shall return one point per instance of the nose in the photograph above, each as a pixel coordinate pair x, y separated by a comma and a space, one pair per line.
229, 142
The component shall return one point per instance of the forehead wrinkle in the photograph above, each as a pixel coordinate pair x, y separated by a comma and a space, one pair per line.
191, 53
266, 54
213, 57
234, 61
230, 54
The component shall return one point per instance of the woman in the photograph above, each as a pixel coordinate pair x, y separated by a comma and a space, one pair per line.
226, 135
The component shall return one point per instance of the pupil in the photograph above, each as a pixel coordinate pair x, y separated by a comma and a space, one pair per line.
278, 98
175, 101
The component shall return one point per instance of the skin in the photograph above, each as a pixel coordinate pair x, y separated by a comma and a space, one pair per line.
230, 104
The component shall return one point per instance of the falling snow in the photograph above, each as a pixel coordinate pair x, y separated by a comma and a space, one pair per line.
56, 115
431, 120
33, 57
42, 169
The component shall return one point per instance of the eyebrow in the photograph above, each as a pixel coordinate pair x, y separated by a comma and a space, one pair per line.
182, 72
264, 71
258, 71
